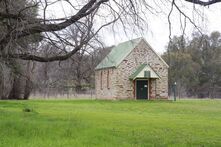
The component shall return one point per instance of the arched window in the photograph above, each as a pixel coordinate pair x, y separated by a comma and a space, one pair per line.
108, 86
101, 79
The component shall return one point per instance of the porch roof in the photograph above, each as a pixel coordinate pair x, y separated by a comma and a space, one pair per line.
140, 72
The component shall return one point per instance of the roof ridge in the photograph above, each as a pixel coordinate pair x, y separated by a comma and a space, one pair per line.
118, 53
130, 40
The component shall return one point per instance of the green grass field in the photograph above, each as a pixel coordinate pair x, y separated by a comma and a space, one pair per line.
110, 123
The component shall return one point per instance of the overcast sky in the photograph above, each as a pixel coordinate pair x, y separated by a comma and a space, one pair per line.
157, 33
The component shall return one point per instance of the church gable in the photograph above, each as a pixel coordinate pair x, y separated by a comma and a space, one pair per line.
143, 53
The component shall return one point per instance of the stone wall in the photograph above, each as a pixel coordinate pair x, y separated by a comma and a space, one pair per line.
104, 91
123, 88
152, 88
142, 54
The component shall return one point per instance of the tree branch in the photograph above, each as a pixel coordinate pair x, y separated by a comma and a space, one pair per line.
44, 59
39, 28
203, 3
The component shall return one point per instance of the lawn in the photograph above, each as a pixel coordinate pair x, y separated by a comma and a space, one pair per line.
77, 123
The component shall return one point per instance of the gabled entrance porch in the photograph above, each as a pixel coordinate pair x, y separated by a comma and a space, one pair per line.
143, 79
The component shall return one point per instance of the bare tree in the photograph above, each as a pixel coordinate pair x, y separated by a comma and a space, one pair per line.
204, 3
123, 11
26, 28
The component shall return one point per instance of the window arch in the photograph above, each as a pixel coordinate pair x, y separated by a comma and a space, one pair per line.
108, 76
101, 77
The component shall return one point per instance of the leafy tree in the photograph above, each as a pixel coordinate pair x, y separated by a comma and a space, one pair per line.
195, 64
183, 70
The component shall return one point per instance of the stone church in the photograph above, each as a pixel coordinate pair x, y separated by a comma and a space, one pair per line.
132, 70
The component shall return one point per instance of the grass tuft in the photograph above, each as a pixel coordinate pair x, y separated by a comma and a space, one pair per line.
27, 110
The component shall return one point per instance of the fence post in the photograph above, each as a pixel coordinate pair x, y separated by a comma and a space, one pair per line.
174, 90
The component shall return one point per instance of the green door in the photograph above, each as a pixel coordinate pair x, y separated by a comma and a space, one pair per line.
142, 89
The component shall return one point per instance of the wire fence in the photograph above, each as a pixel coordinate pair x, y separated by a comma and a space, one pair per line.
63, 93
89, 93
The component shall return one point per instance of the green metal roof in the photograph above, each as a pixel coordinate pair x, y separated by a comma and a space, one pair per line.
140, 72
118, 53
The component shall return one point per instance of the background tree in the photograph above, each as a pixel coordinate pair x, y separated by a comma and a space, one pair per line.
72, 76
195, 65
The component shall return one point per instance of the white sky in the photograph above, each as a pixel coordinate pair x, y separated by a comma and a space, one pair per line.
157, 33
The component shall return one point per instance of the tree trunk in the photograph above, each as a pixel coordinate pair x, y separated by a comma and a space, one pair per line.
1, 83
28, 83
28, 89
15, 92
